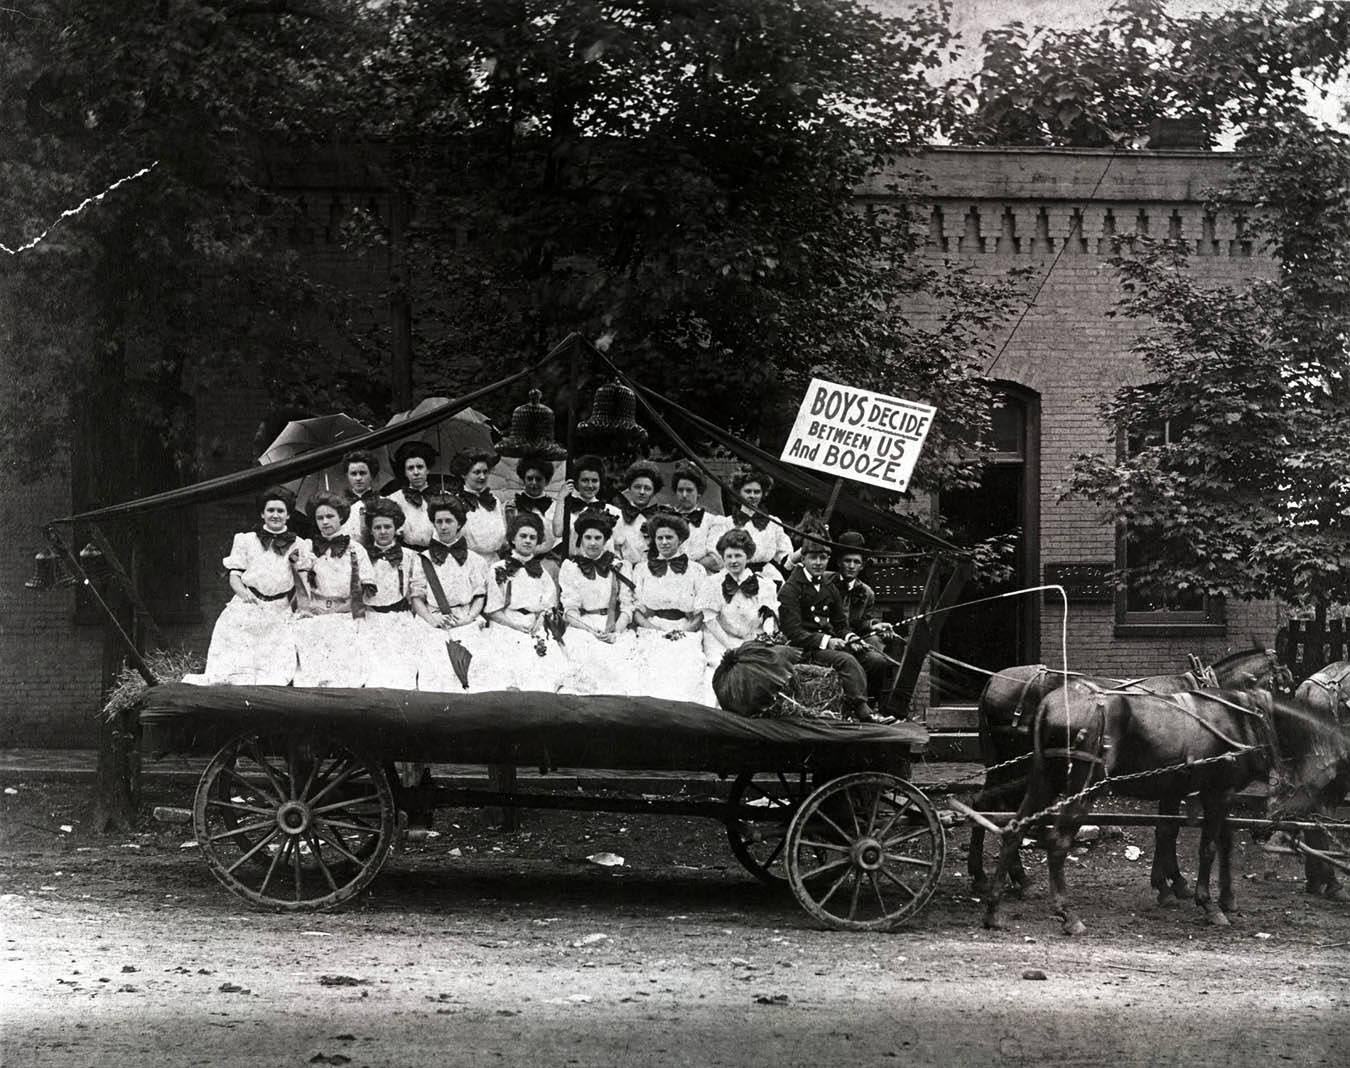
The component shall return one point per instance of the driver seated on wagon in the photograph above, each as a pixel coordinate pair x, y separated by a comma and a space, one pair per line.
812, 616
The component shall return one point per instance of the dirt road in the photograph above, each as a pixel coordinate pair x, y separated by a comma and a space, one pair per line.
519, 951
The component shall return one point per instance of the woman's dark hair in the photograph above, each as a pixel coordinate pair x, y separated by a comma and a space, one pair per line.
384, 508
453, 505
601, 521
408, 450
688, 473
742, 478
524, 519
274, 493
642, 469
469, 457
670, 521
526, 464
736, 538
589, 462
333, 501
361, 456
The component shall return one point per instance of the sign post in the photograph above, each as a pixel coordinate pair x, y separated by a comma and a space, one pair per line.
858, 434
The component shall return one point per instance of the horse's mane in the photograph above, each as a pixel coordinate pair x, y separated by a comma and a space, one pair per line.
1256, 651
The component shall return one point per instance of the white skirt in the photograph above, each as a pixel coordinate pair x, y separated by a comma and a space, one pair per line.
251, 645
510, 659
331, 650
673, 669
435, 670
392, 652
602, 667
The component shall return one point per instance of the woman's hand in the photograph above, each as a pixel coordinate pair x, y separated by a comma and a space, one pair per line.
674, 635
606, 636
248, 596
568, 488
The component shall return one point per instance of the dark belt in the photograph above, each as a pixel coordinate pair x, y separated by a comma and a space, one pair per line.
594, 611
397, 606
325, 606
667, 613
267, 596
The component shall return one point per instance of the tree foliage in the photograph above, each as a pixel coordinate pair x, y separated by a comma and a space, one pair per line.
1242, 67
1251, 497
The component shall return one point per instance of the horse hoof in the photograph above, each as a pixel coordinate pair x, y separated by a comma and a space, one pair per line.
1074, 929
1217, 919
1166, 900
1336, 893
980, 887
1181, 890
992, 923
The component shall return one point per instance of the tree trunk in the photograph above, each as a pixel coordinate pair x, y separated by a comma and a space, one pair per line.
117, 785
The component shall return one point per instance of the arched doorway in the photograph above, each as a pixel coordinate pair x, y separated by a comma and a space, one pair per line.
996, 634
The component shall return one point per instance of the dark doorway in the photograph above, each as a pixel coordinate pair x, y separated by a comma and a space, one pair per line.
996, 634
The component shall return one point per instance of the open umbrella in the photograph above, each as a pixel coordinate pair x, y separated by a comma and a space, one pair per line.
306, 435
467, 429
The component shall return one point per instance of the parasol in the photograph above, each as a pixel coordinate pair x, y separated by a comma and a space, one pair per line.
466, 429
305, 435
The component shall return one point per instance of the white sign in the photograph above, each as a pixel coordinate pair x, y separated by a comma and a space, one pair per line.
855, 433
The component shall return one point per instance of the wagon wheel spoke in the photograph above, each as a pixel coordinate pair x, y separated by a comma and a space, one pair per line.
252, 787
349, 772
357, 828
815, 873
852, 812
899, 882
872, 816
775, 852
320, 778
318, 858
837, 884
902, 839
254, 851
272, 868
914, 862
266, 768
876, 890
844, 835
295, 868
334, 840
236, 806
857, 894
895, 816
319, 811
247, 828
825, 845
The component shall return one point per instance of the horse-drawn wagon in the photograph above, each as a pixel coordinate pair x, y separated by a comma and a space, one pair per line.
298, 808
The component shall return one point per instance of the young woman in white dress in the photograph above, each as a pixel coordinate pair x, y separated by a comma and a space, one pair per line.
704, 527
665, 606
454, 591
252, 643
330, 605
737, 604
582, 493
601, 648
516, 650
391, 634
412, 464
641, 483
362, 468
485, 516
772, 544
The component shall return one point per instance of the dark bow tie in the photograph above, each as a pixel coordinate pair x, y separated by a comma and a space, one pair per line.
730, 587
631, 511
526, 503
694, 517
368, 496
533, 567
438, 552
278, 542
474, 501
760, 522
577, 506
602, 565
394, 554
415, 497
334, 546
678, 564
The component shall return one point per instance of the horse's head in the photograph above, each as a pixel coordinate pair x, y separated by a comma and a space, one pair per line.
1316, 752
1257, 668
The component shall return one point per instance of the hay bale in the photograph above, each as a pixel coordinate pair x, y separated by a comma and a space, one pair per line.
166, 665
814, 692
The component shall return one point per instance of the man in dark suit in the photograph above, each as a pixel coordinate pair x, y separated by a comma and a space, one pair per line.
811, 614
860, 600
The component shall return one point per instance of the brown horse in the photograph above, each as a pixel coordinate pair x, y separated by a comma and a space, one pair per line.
1009, 701
1327, 694
1210, 742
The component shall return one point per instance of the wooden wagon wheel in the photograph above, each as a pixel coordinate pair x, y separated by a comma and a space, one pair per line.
759, 843
865, 852
293, 823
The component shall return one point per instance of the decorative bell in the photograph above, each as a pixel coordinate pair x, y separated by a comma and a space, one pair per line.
93, 561
532, 431
44, 570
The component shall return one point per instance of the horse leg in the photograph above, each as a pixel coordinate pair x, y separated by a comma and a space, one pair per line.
1226, 899
1058, 841
979, 882
1166, 877
1036, 798
1209, 847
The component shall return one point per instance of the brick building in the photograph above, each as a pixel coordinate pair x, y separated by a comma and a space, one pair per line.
1051, 210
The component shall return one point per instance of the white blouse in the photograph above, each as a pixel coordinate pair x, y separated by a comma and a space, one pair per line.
484, 530
703, 538
264, 570
630, 539
461, 582
397, 583
333, 575
771, 542
573, 544
418, 529
521, 591
739, 617
580, 594
666, 592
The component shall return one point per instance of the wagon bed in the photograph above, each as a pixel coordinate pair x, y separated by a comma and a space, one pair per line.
299, 807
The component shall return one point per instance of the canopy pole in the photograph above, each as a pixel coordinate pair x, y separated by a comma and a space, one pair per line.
72, 561
574, 386
829, 505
